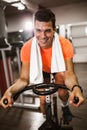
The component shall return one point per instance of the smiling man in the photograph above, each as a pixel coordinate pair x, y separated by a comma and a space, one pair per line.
42, 55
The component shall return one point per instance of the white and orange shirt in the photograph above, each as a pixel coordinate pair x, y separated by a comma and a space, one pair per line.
46, 54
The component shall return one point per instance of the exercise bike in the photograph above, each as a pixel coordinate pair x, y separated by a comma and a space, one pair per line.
53, 121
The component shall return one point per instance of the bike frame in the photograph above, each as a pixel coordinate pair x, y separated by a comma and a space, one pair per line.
51, 115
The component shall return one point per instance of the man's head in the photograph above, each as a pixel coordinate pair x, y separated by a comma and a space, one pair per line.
45, 15
44, 27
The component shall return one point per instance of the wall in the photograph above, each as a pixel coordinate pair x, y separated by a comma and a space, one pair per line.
71, 13
64, 15
75, 16
78, 34
17, 22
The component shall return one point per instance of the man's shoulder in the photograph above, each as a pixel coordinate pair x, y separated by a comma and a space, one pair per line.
29, 42
64, 40
27, 46
61, 38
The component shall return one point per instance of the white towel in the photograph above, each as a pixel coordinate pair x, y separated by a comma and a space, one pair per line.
57, 63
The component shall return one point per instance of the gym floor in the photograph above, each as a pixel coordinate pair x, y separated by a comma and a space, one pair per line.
25, 119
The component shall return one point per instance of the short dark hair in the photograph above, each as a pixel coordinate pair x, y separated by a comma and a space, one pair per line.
45, 15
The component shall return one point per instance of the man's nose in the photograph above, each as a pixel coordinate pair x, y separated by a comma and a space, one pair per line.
43, 34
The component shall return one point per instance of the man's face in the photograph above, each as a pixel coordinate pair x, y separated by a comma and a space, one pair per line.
44, 33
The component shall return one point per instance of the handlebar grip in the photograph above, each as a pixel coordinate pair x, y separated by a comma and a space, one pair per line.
5, 101
76, 100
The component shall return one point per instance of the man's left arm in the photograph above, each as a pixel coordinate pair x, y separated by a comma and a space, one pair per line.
71, 82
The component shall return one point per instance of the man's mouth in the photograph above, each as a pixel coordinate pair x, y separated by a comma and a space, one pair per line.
43, 41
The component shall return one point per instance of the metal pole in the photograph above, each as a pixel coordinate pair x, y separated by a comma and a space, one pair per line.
5, 67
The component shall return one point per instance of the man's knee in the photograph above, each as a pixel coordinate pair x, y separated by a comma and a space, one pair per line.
63, 94
59, 78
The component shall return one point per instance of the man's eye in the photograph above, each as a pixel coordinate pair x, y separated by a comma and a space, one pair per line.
45, 31
37, 30
48, 31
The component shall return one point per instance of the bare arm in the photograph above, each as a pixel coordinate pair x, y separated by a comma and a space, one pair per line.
22, 82
70, 76
23, 79
70, 81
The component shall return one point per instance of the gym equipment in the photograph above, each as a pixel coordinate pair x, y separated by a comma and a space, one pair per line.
53, 121
5, 64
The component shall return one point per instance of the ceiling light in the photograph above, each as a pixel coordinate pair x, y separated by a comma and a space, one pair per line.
28, 25
10, 1
21, 30
19, 5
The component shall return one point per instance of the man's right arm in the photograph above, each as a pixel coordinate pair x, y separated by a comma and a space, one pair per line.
19, 84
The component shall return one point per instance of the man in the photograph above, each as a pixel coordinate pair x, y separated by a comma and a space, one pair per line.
42, 48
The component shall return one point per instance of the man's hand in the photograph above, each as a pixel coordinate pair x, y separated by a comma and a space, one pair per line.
7, 96
76, 93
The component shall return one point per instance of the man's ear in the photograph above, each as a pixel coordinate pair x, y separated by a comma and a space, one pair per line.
55, 29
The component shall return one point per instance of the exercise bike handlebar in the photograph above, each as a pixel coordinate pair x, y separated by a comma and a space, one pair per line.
47, 89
